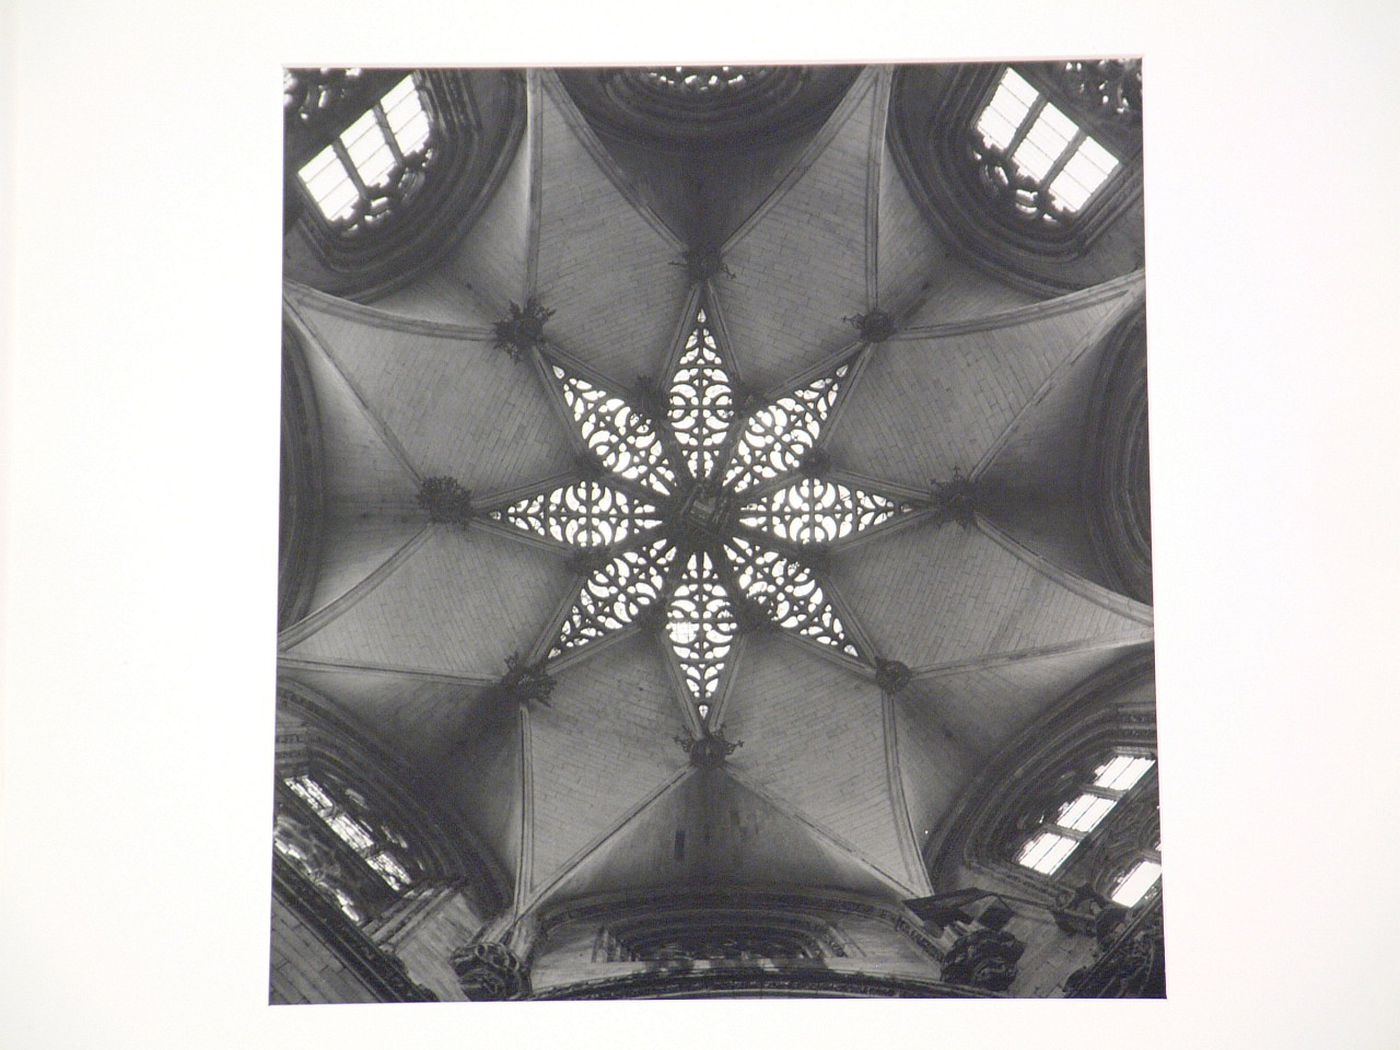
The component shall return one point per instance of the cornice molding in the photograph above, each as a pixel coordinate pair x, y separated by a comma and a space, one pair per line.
697, 901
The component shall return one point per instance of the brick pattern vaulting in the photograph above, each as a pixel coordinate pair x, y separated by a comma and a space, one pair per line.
841, 776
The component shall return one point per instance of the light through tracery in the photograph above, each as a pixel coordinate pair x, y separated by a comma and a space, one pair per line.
777, 436
789, 592
700, 405
586, 514
622, 438
683, 548
815, 511
615, 595
701, 625
353, 831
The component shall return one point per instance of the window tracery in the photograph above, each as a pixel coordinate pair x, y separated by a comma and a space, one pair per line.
700, 405
702, 625
373, 166
710, 581
704, 80
1112, 86
615, 595
789, 593
1051, 844
309, 96
586, 514
623, 439
1035, 158
813, 511
777, 436
347, 815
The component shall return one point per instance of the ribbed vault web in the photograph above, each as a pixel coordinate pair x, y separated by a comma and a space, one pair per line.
705, 493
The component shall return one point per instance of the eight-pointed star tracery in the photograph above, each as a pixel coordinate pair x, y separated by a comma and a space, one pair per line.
697, 506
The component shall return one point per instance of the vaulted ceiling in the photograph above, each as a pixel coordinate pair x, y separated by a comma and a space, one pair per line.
838, 783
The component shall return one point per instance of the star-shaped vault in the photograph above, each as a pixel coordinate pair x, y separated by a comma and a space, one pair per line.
704, 513
745, 539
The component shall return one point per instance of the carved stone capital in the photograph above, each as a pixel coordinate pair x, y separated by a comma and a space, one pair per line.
1130, 961
522, 329
892, 676
710, 751
489, 972
983, 958
874, 327
445, 500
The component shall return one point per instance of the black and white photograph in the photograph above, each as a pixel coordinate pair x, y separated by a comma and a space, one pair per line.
715, 535
760, 525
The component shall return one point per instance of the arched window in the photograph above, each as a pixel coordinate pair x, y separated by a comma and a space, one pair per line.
349, 817
1034, 158
352, 826
1050, 845
333, 835
1140, 878
375, 165
1033, 170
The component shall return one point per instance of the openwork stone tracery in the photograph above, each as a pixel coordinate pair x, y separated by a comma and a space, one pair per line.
705, 512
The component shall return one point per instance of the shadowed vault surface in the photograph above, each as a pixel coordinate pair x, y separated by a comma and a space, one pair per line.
650, 577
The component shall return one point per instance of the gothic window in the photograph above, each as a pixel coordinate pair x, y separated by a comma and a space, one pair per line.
348, 819
1034, 157
298, 842
1138, 881
330, 833
1051, 844
375, 165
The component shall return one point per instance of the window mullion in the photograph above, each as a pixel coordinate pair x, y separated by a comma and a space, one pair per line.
1102, 792
382, 119
1069, 833
1027, 122
1064, 157
349, 165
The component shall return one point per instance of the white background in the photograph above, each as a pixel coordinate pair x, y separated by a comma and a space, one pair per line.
141, 246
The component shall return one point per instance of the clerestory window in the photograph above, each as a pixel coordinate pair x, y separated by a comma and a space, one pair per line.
376, 165
337, 842
1054, 841
1135, 883
1035, 158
